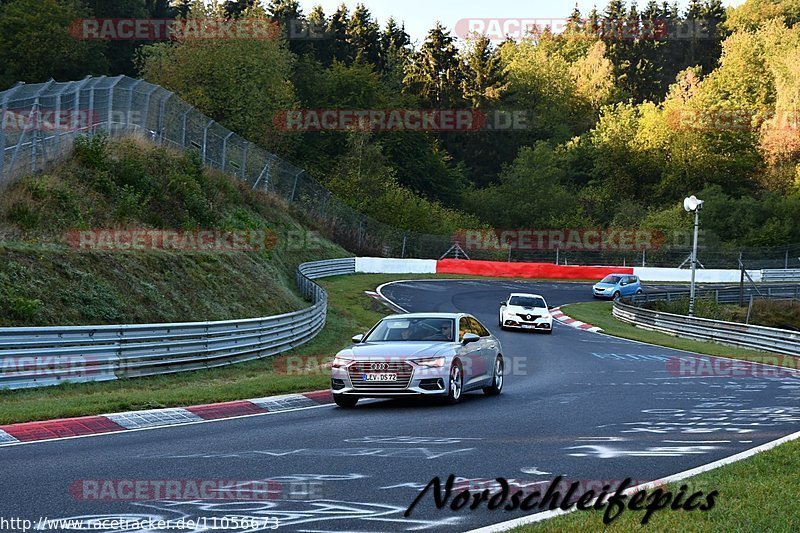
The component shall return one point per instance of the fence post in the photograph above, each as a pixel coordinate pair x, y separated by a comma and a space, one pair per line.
161, 113
244, 160
294, 189
91, 106
263, 171
146, 116
111, 92
2, 143
57, 123
130, 105
3, 118
225, 149
205, 139
34, 110
183, 130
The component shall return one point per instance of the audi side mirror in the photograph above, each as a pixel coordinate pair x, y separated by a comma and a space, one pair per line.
470, 337
502, 303
357, 338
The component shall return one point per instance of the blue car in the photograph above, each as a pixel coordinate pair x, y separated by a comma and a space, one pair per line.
617, 285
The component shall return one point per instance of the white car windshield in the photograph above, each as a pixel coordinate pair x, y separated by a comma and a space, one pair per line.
413, 329
527, 301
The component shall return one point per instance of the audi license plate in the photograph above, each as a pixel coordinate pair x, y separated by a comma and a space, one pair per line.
383, 376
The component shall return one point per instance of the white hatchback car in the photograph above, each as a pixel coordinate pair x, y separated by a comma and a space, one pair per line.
526, 311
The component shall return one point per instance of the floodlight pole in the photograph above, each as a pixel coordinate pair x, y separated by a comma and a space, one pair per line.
694, 260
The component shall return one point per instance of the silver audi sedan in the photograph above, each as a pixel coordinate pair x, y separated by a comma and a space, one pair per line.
428, 354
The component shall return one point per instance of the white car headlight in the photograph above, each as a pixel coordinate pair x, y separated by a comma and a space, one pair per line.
433, 362
340, 362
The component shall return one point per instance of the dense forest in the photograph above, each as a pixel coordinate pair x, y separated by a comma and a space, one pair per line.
620, 122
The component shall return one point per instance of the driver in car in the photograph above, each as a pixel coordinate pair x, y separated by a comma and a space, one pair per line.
445, 332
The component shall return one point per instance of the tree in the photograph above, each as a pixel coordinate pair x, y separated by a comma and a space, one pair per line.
363, 35
435, 74
241, 83
533, 193
182, 7
594, 79
160, 9
753, 14
234, 9
36, 43
395, 55
120, 53
482, 73
340, 48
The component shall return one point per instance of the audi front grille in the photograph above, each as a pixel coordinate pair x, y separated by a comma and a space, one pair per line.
359, 368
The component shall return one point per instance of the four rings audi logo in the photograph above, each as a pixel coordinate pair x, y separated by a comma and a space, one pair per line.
379, 366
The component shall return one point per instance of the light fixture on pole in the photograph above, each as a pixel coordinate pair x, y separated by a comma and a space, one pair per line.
693, 204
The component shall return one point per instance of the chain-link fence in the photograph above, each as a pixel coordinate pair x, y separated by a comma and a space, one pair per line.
41, 121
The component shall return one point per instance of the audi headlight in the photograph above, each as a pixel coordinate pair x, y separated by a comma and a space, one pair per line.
433, 362
340, 362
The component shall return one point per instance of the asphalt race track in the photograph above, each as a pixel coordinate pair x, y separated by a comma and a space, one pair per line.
578, 404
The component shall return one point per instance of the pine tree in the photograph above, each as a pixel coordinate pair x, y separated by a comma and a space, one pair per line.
182, 7
340, 49
363, 35
482, 73
434, 74
395, 55
234, 9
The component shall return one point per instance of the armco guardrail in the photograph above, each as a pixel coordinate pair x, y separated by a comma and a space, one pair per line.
34, 357
732, 333
786, 274
729, 295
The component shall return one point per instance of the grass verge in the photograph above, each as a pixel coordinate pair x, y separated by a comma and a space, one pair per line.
599, 314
